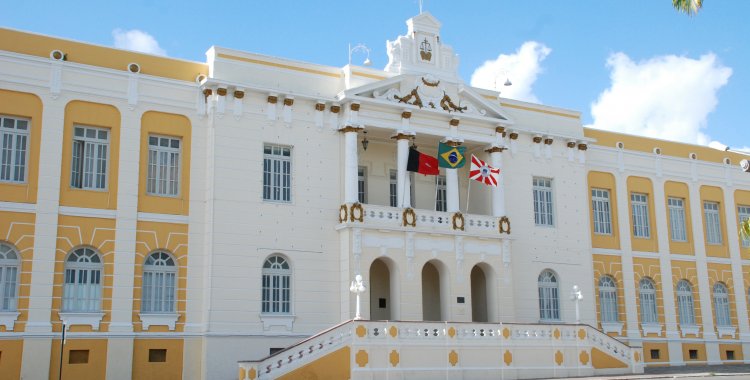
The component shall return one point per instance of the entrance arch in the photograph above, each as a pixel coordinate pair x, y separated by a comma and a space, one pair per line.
479, 299
381, 300
434, 288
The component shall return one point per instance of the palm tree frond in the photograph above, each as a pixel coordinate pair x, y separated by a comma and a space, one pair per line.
745, 229
689, 7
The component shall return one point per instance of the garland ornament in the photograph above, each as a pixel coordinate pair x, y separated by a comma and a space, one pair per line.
343, 214
504, 225
357, 213
409, 217
458, 221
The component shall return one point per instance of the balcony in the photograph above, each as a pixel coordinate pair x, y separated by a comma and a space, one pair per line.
426, 221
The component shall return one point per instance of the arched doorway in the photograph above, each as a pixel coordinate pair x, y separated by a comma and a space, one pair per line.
380, 291
431, 293
479, 300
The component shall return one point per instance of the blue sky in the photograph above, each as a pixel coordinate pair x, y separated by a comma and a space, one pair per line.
635, 66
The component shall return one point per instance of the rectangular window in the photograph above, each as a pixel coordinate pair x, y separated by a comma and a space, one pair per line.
639, 206
78, 356
713, 222
655, 354
90, 155
392, 187
157, 355
602, 212
744, 213
677, 219
362, 184
277, 173
693, 354
730, 354
543, 214
14, 137
440, 194
163, 166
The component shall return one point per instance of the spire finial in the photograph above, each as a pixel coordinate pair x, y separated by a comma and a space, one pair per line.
420, 6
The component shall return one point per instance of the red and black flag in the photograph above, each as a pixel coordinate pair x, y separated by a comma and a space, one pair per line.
422, 163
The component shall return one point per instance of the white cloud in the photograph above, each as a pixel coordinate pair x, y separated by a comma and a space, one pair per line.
137, 40
667, 97
521, 67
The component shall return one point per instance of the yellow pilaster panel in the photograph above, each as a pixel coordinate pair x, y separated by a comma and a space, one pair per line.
26, 106
715, 194
679, 190
94, 367
144, 366
643, 185
604, 181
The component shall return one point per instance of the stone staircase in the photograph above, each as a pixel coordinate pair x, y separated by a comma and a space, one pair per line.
359, 349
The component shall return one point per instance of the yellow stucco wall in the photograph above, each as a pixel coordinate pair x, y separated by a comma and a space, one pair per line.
679, 190
643, 185
608, 265
668, 148
11, 353
663, 351
17, 230
165, 124
737, 348
42, 46
92, 115
74, 232
27, 106
606, 181
334, 366
173, 238
96, 367
714, 194
700, 347
643, 267
600, 360
168, 370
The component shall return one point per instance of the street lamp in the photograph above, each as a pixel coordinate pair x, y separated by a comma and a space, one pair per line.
358, 287
576, 296
361, 48
507, 82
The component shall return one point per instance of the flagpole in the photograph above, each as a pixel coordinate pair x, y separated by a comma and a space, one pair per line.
437, 179
468, 194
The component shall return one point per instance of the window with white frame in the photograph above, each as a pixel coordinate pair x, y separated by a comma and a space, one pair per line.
543, 214
549, 297
362, 184
685, 305
608, 299
163, 166
602, 212
14, 136
440, 194
83, 281
713, 222
90, 158
677, 228
277, 173
721, 305
744, 214
648, 301
159, 283
639, 208
9, 267
393, 187
276, 286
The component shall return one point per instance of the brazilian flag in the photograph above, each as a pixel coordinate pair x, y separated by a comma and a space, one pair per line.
452, 157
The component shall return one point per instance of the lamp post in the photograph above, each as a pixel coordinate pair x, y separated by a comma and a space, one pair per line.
361, 48
507, 82
576, 296
358, 287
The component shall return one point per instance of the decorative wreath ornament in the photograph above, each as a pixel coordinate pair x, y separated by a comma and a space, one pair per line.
343, 214
409, 217
504, 225
357, 214
458, 221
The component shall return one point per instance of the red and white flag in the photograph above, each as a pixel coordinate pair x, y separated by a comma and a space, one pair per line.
482, 172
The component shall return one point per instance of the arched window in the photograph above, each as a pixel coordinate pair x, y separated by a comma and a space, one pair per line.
277, 277
721, 305
83, 281
159, 279
608, 299
549, 297
648, 301
9, 264
685, 303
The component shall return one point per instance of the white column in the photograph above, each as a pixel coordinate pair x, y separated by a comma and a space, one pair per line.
737, 281
704, 288
351, 162
665, 266
403, 185
628, 278
498, 192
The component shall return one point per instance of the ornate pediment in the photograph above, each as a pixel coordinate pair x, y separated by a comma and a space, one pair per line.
421, 50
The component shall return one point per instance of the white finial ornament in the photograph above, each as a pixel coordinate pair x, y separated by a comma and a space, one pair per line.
576, 296
358, 287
